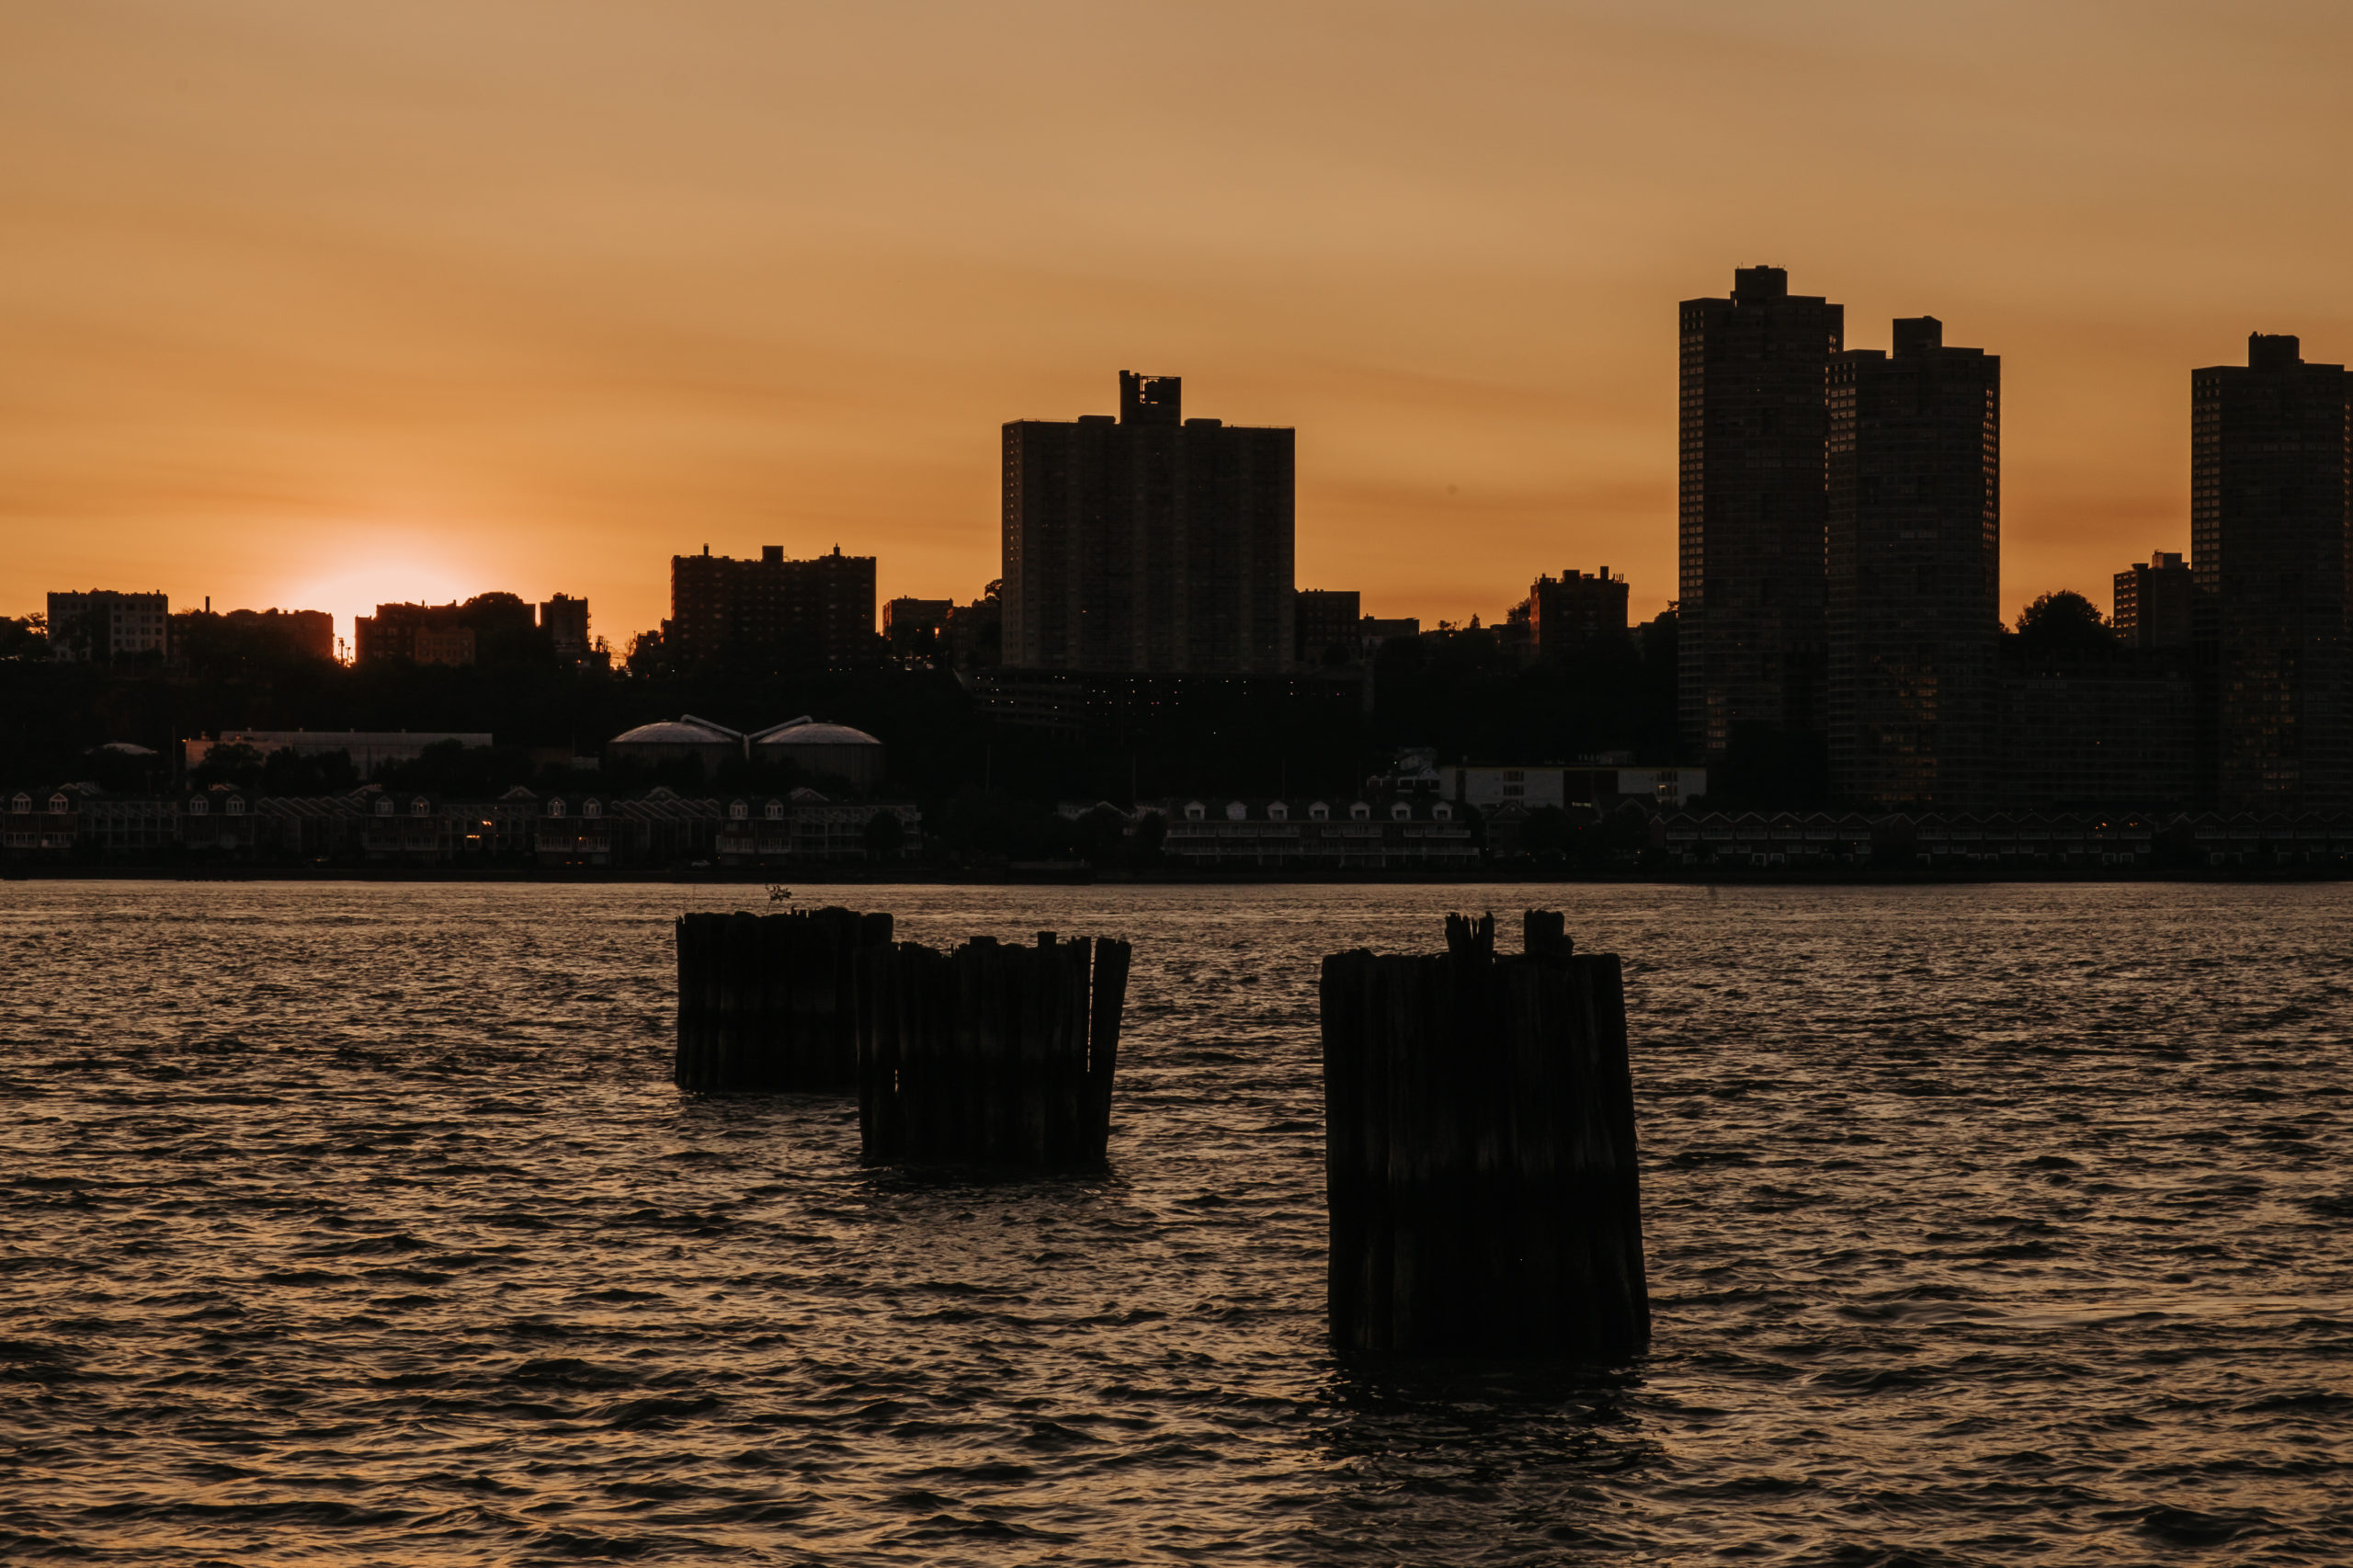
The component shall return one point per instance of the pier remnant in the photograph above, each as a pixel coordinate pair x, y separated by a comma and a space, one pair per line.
1479, 1148
768, 1001
991, 1054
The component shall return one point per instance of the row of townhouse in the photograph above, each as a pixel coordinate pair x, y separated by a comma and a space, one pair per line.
1758, 839
375, 826
1999, 839
2276, 838
1385, 835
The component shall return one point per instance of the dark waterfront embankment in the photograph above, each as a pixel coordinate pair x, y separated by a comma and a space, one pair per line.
1985, 1225
838, 876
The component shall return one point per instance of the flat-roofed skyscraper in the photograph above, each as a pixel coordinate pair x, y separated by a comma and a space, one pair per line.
2270, 507
1148, 542
1914, 542
1750, 514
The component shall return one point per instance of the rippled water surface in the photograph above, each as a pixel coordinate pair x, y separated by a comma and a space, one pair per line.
362, 1223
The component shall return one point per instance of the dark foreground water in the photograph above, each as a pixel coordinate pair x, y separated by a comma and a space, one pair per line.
361, 1223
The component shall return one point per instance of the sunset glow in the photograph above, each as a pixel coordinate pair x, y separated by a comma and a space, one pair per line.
570, 289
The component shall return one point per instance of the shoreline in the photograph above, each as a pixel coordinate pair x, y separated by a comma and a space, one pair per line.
929, 877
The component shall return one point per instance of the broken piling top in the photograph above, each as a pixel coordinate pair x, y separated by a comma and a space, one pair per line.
767, 1002
1480, 1152
1544, 934
994, 1054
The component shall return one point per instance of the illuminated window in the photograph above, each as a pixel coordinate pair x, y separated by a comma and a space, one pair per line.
555, 807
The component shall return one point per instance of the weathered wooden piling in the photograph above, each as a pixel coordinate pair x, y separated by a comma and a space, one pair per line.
769, 1001
993, 1054
1479, 1154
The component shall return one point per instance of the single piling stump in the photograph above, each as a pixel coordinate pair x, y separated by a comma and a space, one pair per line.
1479, 1156
991, 1054
769, 1001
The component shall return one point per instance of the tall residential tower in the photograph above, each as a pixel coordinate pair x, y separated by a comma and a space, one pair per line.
1751, 509
1915, 538
1148, 542
2271, 503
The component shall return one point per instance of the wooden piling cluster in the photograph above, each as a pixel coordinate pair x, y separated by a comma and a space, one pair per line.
1479, 1154
993, 1054
769, 1001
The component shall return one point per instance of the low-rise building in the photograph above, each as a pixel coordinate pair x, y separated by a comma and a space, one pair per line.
2155, 604
2276, 840
1963, 841
915, 625
1371, 834
807, 826
103, 624
1324, 626
830, 751
1765, 839
565, 620
1082, 702
1562, 614
708, 746
1603, 788
1996, 839
219, 821
129, 826
1374, 630
41, 823
409, 829
201, 637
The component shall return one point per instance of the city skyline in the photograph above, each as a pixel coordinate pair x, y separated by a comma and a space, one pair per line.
372, 372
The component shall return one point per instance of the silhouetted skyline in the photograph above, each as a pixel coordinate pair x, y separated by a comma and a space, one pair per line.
329, 307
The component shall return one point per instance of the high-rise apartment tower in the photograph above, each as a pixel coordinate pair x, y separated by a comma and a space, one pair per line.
2271, 503
1750, 516
1914, 541
1148, 542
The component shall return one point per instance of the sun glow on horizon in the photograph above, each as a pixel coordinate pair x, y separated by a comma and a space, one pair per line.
354, 586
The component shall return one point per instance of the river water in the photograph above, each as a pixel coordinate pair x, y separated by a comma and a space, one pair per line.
361, 1223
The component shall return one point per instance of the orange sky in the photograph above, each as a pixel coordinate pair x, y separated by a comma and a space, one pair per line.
315, 304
